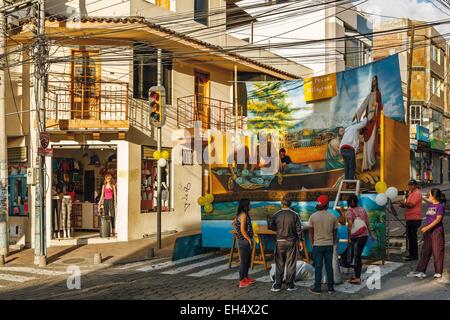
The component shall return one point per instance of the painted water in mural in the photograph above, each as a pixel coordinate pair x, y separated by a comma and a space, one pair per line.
216, 226
310, 117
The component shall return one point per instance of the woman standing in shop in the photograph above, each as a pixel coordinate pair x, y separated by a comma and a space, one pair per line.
242, 223
433, 236
108, 200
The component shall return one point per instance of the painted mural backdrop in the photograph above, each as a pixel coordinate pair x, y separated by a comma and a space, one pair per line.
310, 116
216, 226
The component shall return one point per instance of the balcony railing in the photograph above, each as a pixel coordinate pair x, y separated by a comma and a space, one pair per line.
93, 101
212, 113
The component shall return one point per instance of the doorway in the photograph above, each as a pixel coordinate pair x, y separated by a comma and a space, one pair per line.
202, 99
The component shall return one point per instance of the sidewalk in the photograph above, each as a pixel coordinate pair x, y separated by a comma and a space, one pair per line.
112, 253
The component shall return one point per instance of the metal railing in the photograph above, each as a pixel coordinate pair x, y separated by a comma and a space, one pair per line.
212, 113
93, 101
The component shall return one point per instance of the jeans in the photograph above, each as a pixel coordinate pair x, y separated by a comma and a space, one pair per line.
285, 255
66, 213
433, 244
109, 210
320, 254
245, 254
349, 163
359, 244
56, 213
411, 233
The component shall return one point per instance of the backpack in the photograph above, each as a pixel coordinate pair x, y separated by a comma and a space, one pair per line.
358, 227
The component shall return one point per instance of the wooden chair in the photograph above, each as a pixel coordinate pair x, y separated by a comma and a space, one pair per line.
233, 245
261, 258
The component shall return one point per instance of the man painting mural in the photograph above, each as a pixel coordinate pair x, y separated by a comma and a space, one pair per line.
371, 109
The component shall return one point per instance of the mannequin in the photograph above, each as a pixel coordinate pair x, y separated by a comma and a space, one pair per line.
66, 211
56, 211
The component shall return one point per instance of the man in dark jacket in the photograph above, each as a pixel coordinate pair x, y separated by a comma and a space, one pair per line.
289, 236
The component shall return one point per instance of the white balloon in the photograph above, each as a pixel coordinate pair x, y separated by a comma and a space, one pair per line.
162, 162
391, 193
381, 199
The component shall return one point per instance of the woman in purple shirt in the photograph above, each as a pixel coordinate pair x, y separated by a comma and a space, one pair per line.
433, 236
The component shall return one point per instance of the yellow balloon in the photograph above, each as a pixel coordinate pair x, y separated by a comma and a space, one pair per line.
381, 187
209, 208
201, 201
157, 155
209, 198
165, 154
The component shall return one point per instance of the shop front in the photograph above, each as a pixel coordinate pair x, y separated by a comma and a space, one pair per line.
19, 217
77, 176
438, 155
420, 156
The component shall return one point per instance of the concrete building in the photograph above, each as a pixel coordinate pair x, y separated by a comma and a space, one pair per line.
291, 29
103, 62
429, 112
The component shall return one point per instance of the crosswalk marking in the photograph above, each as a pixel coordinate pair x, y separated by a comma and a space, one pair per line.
209, 271
138, 264
173, 263
41, 272
14, 278
195, 265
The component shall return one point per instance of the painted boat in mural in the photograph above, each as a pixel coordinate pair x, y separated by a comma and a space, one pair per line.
307, 154
294, 181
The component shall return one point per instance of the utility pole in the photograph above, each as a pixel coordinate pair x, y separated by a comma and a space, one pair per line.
159, 142
4, 241
410, 63
40, 63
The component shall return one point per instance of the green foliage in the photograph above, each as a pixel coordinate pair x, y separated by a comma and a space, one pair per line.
269, 107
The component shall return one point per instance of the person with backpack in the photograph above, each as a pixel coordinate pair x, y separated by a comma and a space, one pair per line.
242, 223
358, 233
433, 236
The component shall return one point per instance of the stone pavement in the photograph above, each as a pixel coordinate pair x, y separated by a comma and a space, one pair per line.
112, 253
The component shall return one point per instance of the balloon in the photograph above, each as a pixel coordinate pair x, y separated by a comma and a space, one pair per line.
165, 154
201, 201
157, 155
162, 162
381, 199
381, 187
209, 198
391, 193
209, 208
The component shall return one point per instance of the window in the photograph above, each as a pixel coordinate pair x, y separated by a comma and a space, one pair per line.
436, 54
436, 86
201, 10
416, 114
149, 182
357, 53
145, 72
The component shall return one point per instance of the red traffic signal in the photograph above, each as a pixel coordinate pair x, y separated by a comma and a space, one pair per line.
157, 105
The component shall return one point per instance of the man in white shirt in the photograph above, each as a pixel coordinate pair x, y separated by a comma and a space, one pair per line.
349, 146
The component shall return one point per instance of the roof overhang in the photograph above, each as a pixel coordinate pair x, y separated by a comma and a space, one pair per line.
123, 32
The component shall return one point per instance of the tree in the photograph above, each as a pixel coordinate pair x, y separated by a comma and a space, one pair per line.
269, 108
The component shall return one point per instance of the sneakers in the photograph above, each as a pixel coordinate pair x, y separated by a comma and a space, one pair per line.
437, 276
244, 283
292, 287
412, 274
330, 291
421, 275
276, 287
251, 280
314, 290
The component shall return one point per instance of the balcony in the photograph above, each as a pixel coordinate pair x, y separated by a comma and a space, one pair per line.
212, 113
99, 106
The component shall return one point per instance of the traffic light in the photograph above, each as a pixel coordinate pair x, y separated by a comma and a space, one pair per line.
157, 104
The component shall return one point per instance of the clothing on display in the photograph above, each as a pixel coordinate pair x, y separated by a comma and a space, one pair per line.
65, 214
